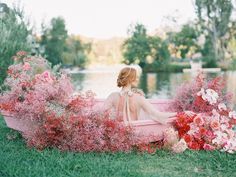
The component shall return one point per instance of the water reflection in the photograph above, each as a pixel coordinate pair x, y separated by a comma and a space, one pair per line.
161, 85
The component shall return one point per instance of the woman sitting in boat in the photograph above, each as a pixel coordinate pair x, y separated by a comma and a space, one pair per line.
129, 102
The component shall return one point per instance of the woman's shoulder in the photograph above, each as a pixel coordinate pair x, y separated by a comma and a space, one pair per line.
138, 92
114, 94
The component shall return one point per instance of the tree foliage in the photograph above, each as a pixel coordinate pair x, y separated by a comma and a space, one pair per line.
54, 40
214, 18
185, 41
76, 52
159, 51
14, 31
139, 47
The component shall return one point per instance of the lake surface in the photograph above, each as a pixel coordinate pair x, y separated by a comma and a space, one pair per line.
154, 85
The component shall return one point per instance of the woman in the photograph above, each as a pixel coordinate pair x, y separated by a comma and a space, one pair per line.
129, 102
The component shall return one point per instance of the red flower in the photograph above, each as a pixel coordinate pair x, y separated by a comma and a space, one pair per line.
194, 145
187, 138
202, 130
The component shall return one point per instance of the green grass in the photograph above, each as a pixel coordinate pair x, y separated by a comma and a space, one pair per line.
19, 161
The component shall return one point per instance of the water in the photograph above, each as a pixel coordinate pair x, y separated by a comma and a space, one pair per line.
154, 85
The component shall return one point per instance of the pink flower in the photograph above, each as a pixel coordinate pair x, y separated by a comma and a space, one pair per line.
198, 120
46, 74
208, 147
209, 134
21, 53
215, 125
170, 137
232, 114
222, 107
26, 66
179, 147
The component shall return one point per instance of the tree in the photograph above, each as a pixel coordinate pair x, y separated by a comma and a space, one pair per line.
159, 51
54, 40
14, 31
136, 48
76, 52
214, 18
185, 41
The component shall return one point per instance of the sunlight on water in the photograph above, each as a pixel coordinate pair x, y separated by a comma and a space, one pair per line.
160, 85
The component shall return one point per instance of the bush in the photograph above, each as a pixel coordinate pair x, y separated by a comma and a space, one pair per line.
171, 67
13, 35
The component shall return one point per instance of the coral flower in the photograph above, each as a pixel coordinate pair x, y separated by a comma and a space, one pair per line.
215, 125
198, 120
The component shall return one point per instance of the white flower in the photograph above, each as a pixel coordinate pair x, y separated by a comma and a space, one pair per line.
223, 127
232, 114
222, 107
215, 115
230, 146
209, 95
202, 92
220, 138
193, 129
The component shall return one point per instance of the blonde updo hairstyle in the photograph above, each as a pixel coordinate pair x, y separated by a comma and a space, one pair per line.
126, 76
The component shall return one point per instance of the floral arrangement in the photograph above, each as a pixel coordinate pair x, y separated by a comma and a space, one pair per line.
200, 95
82, 133
66, 120
212, 127
63, 119
32, 87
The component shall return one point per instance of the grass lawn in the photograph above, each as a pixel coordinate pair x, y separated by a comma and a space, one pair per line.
19, 161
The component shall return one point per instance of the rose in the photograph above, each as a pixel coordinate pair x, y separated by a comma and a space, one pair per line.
215, 125
209, 135
198, 120
187, 138
194, 145
208, 147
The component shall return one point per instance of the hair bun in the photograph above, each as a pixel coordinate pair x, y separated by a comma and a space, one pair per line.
126, 76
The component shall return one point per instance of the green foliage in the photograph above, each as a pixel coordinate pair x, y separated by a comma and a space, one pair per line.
159, 52
137, 48
185, 41
214, 18
140, 47
54, 40
18, 160
76, 52
169, 67
13, 36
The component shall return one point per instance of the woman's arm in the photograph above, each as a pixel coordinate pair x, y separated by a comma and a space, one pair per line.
109, 102
162, 117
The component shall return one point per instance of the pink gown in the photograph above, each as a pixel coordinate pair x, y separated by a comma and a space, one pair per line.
146, 128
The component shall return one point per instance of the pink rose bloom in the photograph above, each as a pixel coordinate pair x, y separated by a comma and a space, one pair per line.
215, 125
209, 134
208, 147
179, 147
198, 120
26, 66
